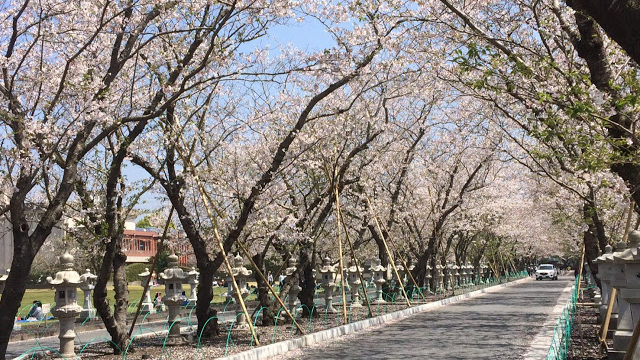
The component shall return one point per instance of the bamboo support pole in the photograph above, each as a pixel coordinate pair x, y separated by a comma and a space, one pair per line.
340, 263
415, 283
581, 267
631, 350
607, 318
262, 277
355, 260
386, 247
271, 289
214, 223
235, 285
145, 288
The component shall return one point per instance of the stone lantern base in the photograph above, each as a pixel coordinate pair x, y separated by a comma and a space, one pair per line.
147, 308
87, 313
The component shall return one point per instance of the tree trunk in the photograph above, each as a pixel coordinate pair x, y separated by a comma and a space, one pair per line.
205, 295
590, 238
114, 323
14, 288
619, 19
308, 283
120, 287
265, 302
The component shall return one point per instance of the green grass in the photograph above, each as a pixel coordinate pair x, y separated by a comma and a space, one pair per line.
46, 297
135, 293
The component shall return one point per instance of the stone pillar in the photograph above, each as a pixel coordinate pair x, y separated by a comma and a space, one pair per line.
193, 283
173, 278
428, 277
457, 276
328, 276
401, 273
87, 284
147, 304
378, 272
67, 309
469, 274
487, 273
605, 282
624, 330
354, 283
448, 277
438, 276
241, 274
294, 288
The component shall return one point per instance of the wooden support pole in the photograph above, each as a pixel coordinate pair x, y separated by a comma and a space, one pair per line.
214, 223
607, 318
386, 247
271, 289
340, 263
581, 267
415, 283
353, 256
235, 286
261, 275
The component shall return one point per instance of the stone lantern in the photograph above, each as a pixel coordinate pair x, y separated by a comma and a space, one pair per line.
354, 283
486, 272
193, 283
173, 277
147, 304
402, 272
457, 276
618, 280
438, 277
428, 277
67, 309
464, 274
378, 271
448, 276
328, 276
469, 278
630, 292
87, 284
294, 287
478, 274
603, 275
415, 292
241, 274
3, 280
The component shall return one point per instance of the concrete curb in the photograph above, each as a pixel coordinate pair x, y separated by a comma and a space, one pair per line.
282, 347
539, 347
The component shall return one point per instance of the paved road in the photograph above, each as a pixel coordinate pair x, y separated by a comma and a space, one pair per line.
498, 325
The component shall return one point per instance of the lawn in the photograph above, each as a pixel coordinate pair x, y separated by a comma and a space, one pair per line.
46, 297
135, 293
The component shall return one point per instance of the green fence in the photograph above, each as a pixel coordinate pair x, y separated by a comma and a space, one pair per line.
559, 349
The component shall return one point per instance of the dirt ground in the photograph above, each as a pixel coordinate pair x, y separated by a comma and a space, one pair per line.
585, 344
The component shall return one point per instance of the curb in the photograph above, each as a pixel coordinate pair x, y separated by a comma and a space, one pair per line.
282, 347
539, 347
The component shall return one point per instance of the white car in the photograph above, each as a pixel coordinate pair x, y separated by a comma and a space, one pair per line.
546, 271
